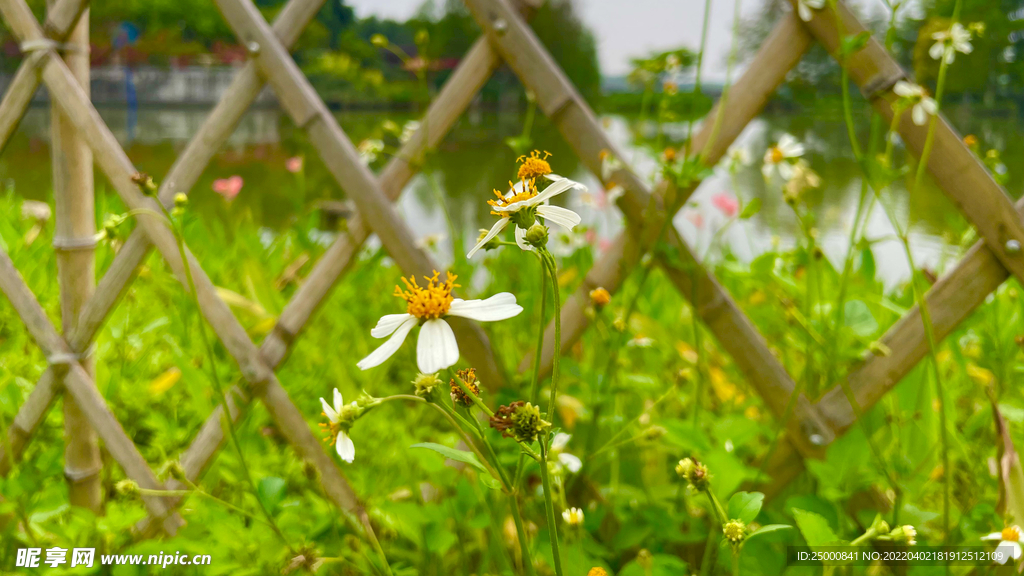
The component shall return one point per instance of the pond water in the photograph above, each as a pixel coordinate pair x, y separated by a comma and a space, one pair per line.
474, 159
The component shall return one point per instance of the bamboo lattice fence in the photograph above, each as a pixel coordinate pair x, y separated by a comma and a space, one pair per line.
810, 426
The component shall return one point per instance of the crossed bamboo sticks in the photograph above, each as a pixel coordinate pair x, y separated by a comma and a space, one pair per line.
508, 38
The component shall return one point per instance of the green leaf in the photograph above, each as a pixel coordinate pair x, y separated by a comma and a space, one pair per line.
867, 264
745, 506
751, 209
490, 481
453, 454
859, 319
271, 491
769, 529
854, 43
814, 528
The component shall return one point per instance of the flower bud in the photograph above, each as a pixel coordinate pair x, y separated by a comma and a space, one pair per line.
695, 473
645, 559
127, 488
145, 183
600, 297
379, 40
537, 236
905, 534
735, 531
422, 37
491, 245
425, 385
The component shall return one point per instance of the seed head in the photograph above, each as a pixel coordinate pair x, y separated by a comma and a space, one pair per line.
127, 488
519, 420
459, 396
145, 183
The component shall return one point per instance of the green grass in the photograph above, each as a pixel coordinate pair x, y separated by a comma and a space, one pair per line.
437, 519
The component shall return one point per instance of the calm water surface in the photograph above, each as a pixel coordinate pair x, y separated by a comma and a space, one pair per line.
474, 159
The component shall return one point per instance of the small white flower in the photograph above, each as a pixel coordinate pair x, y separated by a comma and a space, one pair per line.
737, 158
339, 437
949, 42
924, 105
573, 516
803, 7
570, 462
35, 210
640, 341
610, 164
523, 203
1009, 539
779, 159
370, 149
408, 130
427, 307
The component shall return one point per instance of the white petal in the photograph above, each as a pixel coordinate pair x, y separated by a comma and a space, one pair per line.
1015, 546
785, 170
331, 413
388, 324
388, 348
930, 105
338, 402
767, 170
571, 462
554, 189
437, 348
562, 216
494, 231
521, 239
936, 50
903, 88
345, 447
805, 12
993, 536
919, 115
559, 442
498, 307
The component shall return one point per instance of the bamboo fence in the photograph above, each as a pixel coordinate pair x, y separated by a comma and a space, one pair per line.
80, 133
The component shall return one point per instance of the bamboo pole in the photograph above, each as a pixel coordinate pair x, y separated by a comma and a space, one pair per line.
301, 102
454, 97
119, 170
956, 170
60, 17
74, 243
559, 100
766, 71
82, 389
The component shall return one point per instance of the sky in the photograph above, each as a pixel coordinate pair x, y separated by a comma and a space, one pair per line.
626, 28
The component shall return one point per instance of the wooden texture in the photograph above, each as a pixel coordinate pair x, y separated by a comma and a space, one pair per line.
76, 267
61, 16
301, 102
645, 212
119, 171
80, 385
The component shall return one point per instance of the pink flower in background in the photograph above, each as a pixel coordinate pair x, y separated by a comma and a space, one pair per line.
604, 244
727, 203
695, 218
228, 187
293, 164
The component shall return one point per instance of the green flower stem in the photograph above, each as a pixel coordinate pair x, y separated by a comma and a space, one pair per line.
537, 357
736, 561
176, 228
719, 510
200, 492
490, 413
524, 545
550, 508
557, 310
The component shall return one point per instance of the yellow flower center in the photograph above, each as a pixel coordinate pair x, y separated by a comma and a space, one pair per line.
777, 155
533, 166
1011, 534
431, 301
529, 191
330, 430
